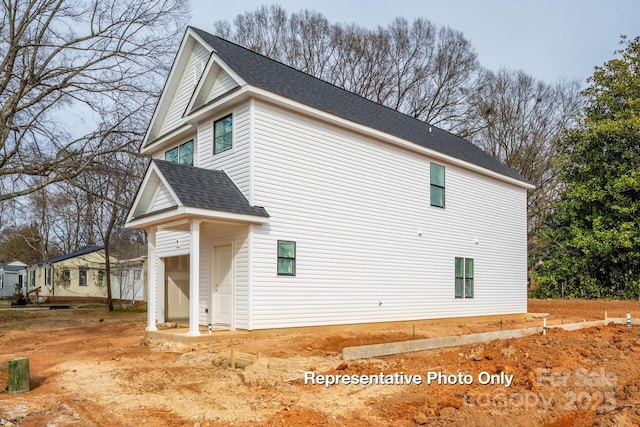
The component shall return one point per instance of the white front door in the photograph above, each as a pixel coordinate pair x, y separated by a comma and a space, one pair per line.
223, 283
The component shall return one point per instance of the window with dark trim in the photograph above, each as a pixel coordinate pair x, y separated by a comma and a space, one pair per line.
66, 277
437, 185
464, 278
82, 281
182, 154
286, 258
223, 134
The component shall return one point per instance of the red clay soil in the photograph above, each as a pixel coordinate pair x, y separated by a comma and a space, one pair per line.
95, 368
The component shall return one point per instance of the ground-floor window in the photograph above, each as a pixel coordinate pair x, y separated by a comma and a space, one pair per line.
286, 258
83, 277
464, 278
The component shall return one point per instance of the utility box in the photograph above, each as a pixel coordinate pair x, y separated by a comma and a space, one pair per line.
18, 375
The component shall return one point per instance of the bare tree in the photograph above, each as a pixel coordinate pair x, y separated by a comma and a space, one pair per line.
520, 120
111, 181
72, 73
416, 68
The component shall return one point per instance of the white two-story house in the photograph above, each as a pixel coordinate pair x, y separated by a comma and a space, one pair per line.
275, 199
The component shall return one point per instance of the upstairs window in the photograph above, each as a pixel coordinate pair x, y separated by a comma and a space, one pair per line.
286, 258
223, 134
464, 278
437, 185
182, 154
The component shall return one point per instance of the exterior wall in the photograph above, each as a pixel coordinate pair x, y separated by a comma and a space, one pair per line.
188, 82
370, 247
128, 282
163, 200
222, 84
8, 280
234, 162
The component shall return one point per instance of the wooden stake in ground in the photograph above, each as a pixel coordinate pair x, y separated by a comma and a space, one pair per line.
18, 375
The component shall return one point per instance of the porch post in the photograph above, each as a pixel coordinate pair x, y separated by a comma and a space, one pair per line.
152, 279
194, 279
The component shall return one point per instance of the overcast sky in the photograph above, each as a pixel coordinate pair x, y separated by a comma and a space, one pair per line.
549, 39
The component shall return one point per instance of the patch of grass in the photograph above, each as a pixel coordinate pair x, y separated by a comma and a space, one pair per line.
130, 309
91, 306
14, 319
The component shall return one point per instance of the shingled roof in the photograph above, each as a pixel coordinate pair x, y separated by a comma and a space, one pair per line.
278, 78
206, 189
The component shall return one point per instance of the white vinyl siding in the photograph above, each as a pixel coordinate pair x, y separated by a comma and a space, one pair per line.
186, 87
172, 243
222, 84
369, 247
235, 162
163, 200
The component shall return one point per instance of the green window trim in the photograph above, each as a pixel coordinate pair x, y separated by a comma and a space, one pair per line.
223, 134
286, 258
464, 277
437, 178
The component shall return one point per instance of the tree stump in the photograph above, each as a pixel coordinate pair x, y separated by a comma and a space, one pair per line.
18, 375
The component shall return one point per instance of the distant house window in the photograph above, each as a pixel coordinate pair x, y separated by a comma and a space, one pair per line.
137, 273
182, 154
66, 277
1, 281
47, 276
222, 134
100, 277
83, 277
464, 278
286, 258
33, 279
437, 185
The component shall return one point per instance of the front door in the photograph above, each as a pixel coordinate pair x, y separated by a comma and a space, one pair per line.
223, 283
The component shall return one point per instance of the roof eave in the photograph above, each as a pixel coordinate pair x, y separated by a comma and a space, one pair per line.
180, 214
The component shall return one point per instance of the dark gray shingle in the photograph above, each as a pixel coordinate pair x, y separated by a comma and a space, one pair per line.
273, 76
206, 189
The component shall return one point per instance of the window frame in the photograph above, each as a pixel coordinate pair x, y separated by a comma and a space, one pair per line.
440, 188
66, 277
286, 258
215, 122
464, 283
179, 150
86, 277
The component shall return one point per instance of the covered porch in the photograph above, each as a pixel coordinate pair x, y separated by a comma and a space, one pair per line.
201, 215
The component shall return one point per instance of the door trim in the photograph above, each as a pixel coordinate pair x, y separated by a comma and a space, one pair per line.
212, 271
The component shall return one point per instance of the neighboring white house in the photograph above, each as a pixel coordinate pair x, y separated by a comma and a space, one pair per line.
12, 274
275, 199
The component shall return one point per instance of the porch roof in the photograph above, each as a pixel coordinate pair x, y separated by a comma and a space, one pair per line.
189, 192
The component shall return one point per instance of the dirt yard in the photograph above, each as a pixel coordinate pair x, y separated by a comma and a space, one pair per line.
95, 368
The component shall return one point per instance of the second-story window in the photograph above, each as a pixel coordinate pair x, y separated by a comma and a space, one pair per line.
223, 134
437, 185
182, 154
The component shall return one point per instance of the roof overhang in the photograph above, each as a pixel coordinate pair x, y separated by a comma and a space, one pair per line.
179, 217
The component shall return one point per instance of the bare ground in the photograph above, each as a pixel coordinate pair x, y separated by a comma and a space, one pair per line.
95, 368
